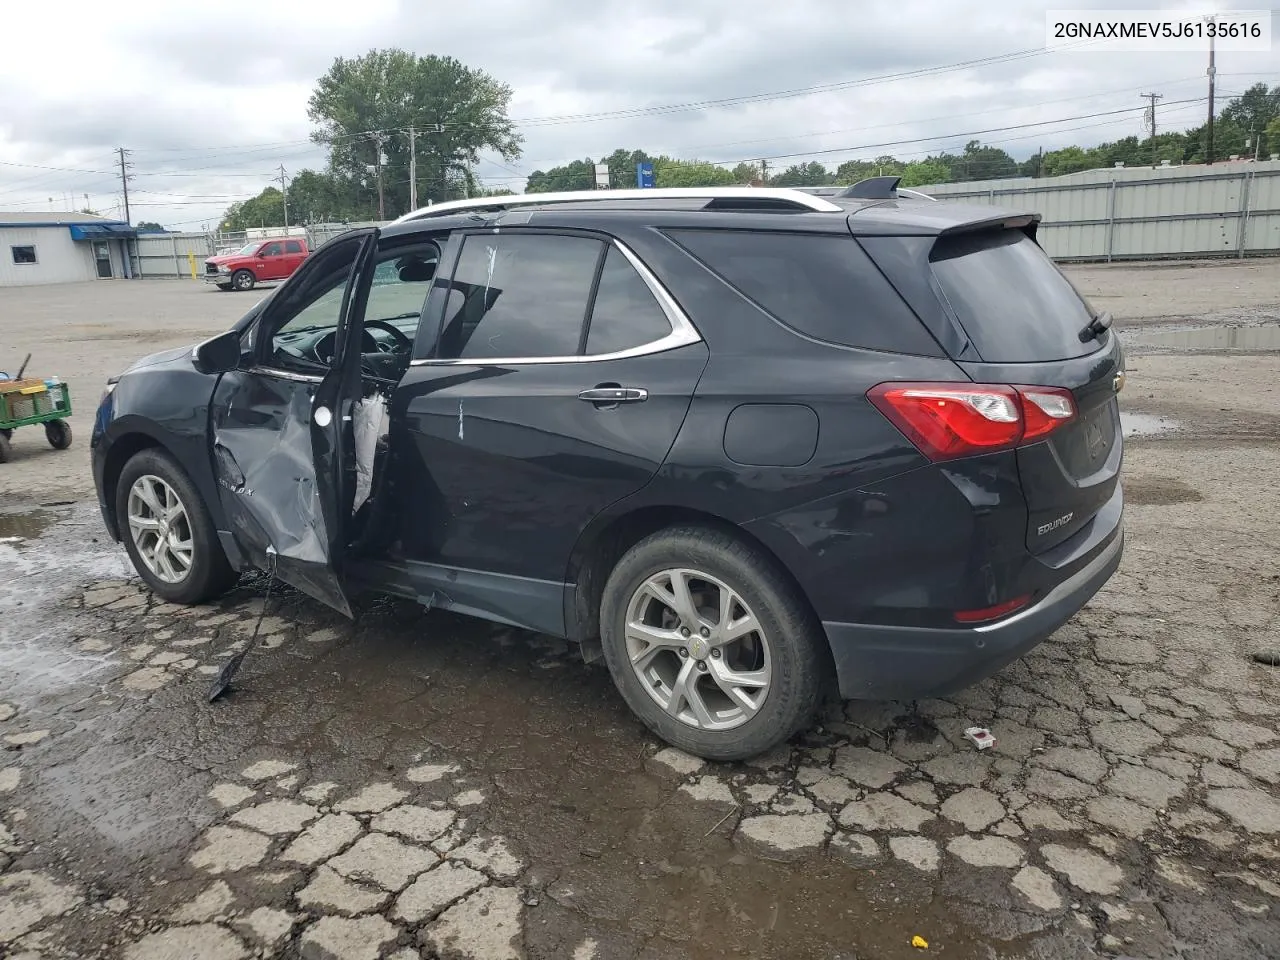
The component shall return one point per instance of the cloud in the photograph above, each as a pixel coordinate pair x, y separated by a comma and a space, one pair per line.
210, 105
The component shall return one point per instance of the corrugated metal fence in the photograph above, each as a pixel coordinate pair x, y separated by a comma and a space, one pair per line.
1228, 209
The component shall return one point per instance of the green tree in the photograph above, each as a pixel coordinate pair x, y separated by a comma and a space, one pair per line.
575, 175
1067, 160
149, 226
365, 106
1254, 109
981, 163
851, 171
326, 197
811, 174
690, 173
745, 173
264, 210
1271, 138
925, 172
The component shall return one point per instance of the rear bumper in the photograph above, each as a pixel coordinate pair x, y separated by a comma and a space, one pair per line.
876, 662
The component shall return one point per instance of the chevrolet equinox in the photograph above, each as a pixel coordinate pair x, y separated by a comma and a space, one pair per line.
751, 446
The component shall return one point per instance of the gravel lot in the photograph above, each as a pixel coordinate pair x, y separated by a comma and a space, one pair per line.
420, 785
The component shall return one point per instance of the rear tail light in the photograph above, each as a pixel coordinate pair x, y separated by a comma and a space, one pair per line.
946, 421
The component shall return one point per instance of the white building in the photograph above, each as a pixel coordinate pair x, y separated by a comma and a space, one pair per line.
63, 248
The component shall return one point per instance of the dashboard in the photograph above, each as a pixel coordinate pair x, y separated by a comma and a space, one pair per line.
316, 344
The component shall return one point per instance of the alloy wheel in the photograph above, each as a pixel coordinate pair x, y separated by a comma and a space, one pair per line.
698, 649
161, 528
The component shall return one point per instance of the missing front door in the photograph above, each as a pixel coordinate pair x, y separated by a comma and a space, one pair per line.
102, 257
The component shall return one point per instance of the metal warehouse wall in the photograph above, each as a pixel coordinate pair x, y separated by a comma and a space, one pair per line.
1228, 209
59, 259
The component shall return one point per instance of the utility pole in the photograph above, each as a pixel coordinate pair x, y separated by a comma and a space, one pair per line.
284, 198
1151, 119
413, 170
377, 168
124, 181
764, 172
1212, 72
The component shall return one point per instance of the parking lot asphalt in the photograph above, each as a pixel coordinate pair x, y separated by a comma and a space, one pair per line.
420, 785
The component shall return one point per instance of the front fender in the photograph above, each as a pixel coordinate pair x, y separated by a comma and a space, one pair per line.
166, 406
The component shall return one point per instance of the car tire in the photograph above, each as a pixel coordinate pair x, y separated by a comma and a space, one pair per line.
793, 665
58, 433
243, 280
207, 574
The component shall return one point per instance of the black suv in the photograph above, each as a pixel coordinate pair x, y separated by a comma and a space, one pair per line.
749, 445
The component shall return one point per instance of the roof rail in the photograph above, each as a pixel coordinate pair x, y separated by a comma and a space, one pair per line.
801, 201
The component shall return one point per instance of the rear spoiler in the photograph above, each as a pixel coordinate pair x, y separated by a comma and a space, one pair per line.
1028, 223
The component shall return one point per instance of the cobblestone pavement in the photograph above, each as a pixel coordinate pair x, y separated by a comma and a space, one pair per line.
421, 785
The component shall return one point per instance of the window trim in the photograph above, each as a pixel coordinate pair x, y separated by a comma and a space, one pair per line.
682, 333
35, 257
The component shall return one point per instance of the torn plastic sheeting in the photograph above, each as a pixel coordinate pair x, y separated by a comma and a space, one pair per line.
367, 420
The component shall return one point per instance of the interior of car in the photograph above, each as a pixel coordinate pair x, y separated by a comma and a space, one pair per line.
305, 341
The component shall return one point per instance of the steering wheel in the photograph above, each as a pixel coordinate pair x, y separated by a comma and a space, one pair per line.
402, 342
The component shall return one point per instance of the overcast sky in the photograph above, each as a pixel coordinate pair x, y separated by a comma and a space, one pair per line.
210, 98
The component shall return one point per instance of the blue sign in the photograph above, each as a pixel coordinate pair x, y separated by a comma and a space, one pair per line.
644, 175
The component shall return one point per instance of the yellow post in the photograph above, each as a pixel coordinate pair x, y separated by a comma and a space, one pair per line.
191, 259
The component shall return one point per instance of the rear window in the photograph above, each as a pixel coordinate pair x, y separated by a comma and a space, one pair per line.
1012, 300
822, 285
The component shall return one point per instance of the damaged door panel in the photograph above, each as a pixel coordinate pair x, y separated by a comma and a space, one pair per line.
283, 450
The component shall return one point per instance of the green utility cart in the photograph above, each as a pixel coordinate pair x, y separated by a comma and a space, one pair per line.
31, 400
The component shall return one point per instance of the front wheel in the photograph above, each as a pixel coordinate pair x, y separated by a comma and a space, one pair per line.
243, 280
167, 531
710, 644
58, 433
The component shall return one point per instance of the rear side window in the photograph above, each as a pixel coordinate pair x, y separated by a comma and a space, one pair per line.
519, 296
625, 313
292, 246
1012, 300
823, 286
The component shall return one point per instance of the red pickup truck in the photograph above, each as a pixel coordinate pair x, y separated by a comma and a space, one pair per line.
274, 258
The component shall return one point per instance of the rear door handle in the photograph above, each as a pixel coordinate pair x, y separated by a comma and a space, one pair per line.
612, 395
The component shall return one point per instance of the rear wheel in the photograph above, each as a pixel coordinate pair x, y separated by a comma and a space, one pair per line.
243, 280
710, 644
58, 433
168, 533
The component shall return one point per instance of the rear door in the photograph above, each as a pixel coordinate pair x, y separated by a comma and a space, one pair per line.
558, 382
1024, 320
293, 256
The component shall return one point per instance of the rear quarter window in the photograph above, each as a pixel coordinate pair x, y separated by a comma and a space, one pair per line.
821, 285
1014, 303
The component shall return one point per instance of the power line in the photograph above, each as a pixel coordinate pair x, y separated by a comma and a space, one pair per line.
949, 136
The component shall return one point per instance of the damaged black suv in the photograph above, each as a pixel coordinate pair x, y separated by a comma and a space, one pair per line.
749, 445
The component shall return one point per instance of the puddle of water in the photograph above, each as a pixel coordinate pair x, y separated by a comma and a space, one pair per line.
26, 525
1266, 337
1145, 424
